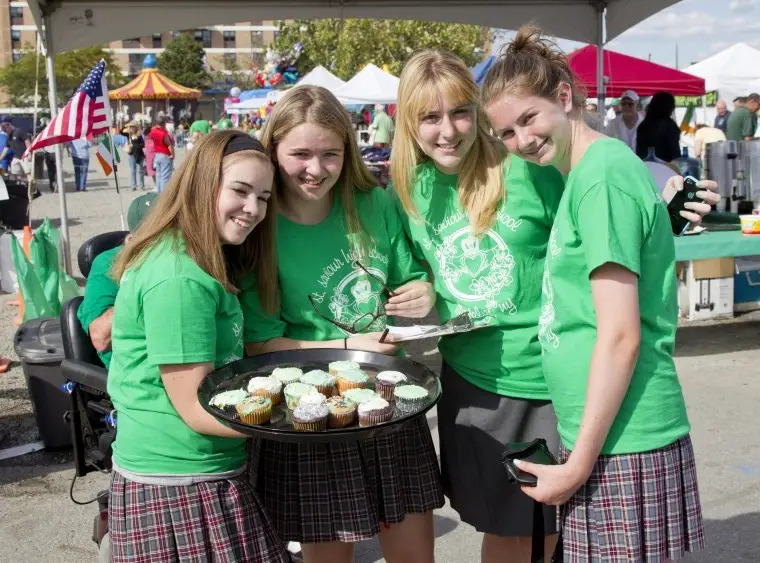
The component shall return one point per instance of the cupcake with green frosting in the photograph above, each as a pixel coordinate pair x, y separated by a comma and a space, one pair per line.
359, 396
287, 375
336, 367
294, 392
227, 401
351, 379
255, 410
410, 398
323, 381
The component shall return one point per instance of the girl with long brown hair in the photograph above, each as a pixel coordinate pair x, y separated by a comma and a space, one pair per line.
341, 252
178, 491
626, 484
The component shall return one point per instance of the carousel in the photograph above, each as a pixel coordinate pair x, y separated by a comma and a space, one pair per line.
151, 86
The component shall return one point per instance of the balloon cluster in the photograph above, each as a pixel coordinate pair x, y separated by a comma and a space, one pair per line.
279, 68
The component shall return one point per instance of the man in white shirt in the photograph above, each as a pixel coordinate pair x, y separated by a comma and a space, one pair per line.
624, 126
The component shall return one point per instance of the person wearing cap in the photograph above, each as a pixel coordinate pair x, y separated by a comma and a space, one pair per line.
624, 126
164, 147
96, 311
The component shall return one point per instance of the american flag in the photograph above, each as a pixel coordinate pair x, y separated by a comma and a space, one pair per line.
86, 114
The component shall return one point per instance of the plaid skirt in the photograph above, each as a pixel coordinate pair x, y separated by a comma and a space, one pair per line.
346, 491
635, 507
219, 521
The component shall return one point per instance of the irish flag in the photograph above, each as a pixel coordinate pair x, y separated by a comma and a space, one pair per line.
106, 155
687, 123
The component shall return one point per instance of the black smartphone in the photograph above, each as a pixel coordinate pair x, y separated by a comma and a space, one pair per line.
687, 194
535, 452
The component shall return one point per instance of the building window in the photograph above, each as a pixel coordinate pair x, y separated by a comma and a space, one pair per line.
230, 61
15, 35
203, 36
135, 64
156, 40
257, 39
17, 16
16, 57
229, 38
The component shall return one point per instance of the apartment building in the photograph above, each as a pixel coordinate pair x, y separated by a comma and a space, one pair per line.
228, 47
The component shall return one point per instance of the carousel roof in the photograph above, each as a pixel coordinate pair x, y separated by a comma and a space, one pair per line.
152, 85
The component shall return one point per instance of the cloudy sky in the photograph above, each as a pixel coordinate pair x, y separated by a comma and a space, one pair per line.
700, 28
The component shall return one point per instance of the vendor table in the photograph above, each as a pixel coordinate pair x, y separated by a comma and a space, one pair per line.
716, 244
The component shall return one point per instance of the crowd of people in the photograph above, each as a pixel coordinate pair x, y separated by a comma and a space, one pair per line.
505, 205
653, 133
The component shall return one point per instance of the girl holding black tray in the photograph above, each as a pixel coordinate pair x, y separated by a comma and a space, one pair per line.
343, 264
178, 491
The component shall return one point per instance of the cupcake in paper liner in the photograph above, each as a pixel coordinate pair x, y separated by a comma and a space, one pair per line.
336, 367
227, 401
374, 411
410, 398
255, 410
352, 379
359, 396
287, 375
342, 411
323, 381
266, 387
313, 398
386, 382
310, 417
294, 392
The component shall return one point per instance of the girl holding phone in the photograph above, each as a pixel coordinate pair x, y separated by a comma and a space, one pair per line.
607, 327
481, 219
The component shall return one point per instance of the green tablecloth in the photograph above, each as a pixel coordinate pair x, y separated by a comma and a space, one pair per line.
716, 244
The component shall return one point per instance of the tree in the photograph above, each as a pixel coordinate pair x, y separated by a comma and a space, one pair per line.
183, 61
345, 46
71, 68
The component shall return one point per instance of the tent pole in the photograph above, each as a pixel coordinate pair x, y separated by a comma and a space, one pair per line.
53, 100
600, 85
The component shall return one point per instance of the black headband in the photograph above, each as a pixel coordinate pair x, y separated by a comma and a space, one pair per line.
243, 142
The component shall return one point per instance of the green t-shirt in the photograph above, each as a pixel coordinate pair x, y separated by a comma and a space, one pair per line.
224, 123
741, 123
318, 261
383, 126
611, 212
201, 125
99, 294
496, 277
169, 311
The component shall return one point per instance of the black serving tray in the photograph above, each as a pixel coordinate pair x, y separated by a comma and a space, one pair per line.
236, 375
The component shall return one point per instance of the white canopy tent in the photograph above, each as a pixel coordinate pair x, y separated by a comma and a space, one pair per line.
75, 23
371, 85
248, 105
320, 76
732, 72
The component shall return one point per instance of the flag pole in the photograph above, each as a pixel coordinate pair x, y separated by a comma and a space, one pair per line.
53, 100
116, 178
